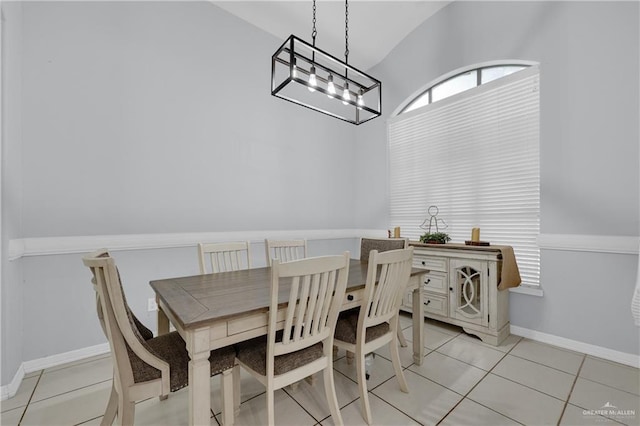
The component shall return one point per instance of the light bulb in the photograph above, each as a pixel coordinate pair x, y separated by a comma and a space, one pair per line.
360, 100
331, 88
345, 94
294, 73
313, 82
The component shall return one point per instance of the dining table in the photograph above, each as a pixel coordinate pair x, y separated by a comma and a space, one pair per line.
215, 310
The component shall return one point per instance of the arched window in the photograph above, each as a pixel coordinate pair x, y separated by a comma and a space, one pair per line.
460, 82
469, 144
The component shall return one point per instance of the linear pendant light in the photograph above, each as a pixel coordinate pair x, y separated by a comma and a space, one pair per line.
303, 74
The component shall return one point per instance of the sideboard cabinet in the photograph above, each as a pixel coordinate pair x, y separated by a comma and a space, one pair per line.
461, 288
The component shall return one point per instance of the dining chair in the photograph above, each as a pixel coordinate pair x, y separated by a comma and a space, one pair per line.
314, 289
224, 257
145, 367
375, 323
285, 250
381, 244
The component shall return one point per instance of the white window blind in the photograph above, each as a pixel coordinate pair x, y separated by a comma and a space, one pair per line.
476, 157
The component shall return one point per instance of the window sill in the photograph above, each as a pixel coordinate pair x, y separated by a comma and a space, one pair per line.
529, 291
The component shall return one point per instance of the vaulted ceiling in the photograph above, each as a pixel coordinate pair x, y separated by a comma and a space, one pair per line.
375, 27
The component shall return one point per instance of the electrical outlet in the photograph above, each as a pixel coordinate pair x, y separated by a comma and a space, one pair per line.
152, 305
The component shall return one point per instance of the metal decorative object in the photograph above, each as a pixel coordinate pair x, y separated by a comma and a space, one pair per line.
433, 220
305, 75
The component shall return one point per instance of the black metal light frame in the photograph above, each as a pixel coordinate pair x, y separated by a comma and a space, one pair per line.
360, 84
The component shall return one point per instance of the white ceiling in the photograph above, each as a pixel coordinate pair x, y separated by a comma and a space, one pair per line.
375, 27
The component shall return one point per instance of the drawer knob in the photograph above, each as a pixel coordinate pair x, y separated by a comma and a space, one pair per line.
450, 288
349, 296
428, 281
423, 262
427, 302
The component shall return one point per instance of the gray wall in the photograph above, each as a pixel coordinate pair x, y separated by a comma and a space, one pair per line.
131, 111
11, 289
588, 54
152, 117
157, 117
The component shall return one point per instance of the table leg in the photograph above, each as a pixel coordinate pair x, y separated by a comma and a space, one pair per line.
199, 377
163, 321
418, 320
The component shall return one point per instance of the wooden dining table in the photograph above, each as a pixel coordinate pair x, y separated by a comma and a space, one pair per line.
215, 310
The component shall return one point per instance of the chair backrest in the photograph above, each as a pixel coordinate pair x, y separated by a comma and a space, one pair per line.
380, 244
316, 287
382, 300
128, 347
224, 257
285, 250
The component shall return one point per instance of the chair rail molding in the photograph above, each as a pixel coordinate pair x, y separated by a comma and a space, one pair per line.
81, 244
618, 244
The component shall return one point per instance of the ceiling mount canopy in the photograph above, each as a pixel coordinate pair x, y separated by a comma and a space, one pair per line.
303, 74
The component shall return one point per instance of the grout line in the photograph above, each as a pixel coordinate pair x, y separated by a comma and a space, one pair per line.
26, 407
573, 385
465, 396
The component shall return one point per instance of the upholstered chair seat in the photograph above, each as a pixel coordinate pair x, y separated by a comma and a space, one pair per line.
253, 353
172, 349
347, 328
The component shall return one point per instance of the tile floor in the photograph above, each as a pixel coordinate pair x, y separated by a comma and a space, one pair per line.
461, 382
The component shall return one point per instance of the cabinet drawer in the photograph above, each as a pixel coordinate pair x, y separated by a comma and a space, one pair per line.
436, 304
435, 282
430, 262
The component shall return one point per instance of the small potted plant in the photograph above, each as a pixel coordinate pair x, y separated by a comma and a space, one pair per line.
435, 238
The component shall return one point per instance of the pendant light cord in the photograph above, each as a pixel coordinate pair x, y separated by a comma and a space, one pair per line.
346, 31
314, 33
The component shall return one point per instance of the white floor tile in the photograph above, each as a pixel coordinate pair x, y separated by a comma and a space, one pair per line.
551, 356
506, 345
449, 372
79, 375
443, 327
313, 397
173, 411
406, 353
32, 374
433, 337
11, 417
427, 402
471, 353
469, 413
383, 414
611, 374
537, 376
250, 387
69, 408
21, 398
381, 371
598, 397
79, 362
516, 401
287, 412
576, 416
405, 320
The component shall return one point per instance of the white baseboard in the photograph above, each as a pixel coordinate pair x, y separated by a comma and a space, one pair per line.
63, 358
574, 345
26, 367
11, 389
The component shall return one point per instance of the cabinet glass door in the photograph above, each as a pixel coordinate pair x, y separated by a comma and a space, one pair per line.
468, 291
